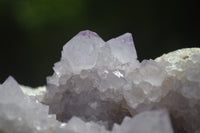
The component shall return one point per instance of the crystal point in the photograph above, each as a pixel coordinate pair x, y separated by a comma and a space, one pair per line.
123, 48
101, 87
81, 51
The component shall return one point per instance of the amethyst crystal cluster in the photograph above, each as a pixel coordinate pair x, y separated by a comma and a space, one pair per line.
89, 80
101, 87
104, 82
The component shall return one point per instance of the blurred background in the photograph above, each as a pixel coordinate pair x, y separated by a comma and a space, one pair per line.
33, 32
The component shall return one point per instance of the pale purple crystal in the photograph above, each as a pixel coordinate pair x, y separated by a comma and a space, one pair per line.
101, 87
82, 55
123, 48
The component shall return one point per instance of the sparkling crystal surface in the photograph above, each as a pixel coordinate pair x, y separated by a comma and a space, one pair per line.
100, 87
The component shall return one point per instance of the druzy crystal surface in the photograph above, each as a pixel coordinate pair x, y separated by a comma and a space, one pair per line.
100, 87
103, 82
88, 81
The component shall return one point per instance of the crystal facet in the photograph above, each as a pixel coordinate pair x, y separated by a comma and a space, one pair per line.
101, 87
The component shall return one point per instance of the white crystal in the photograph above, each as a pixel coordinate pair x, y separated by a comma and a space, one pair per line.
81, 51
123, 48
146, 122
118, 84
21, 113
99, 84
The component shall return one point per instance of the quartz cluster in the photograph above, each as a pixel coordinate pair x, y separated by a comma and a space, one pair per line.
20, 113
101, 87
23, 113
104, 82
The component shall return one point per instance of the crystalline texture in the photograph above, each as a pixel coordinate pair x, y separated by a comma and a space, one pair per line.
81, 51
123, 48
101, 87
146, 122
20, 113
25, 114
112, 84
93, 90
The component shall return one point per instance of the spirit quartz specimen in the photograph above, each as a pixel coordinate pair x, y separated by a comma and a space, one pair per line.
104, 82
101, 87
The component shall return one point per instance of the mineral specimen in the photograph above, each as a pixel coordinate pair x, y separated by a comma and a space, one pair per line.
89, 83
104, 82
101, 87
20, 113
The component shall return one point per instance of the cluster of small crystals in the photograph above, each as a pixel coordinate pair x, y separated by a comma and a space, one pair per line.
88, 81
101, 87
22, 113
183, 100
104, 82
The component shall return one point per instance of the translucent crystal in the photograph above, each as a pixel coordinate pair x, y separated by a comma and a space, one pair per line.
81, 51
123, 48
117, 85
101, 87
20, 113
146, 122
